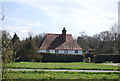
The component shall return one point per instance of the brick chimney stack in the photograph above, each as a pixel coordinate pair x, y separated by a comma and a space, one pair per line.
64, 34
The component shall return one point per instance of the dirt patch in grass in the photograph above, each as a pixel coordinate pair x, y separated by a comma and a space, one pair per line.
114, 64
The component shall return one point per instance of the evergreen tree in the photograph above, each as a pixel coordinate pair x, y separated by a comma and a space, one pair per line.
15, 38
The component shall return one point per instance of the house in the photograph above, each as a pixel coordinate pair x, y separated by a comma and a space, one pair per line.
60, 44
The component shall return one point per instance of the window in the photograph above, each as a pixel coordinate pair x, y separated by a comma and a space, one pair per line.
47, 51
56, 51
65, 51
76, 51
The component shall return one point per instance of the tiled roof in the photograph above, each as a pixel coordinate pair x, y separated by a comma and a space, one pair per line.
57, 41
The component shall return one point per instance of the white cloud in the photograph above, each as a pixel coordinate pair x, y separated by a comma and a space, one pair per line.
18, 28
37, 23
15, 20
38, 0
79, 15
22, 31
19, 11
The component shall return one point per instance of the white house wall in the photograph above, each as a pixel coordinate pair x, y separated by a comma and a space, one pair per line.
79, 52
42, 51
62, 51
52, 51
71, 51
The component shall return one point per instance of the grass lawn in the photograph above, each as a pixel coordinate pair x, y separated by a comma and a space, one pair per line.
73, 65
61, 75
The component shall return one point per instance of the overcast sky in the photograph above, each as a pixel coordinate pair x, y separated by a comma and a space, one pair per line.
50, 16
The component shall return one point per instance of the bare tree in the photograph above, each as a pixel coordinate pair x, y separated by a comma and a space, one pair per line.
115, 34
2, 15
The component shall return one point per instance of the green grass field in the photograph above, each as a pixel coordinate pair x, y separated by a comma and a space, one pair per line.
64, 74
61, 75
73, 65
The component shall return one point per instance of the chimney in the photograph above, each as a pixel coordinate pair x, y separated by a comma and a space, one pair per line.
64, 34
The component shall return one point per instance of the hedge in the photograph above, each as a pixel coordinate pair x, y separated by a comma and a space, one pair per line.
102, 58
47, 57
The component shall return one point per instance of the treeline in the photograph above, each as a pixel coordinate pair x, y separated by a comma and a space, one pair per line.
106, 42
25, 50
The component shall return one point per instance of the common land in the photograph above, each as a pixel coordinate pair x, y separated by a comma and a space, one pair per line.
62, 74
71, 65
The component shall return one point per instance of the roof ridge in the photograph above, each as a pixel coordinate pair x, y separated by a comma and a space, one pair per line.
56, 34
